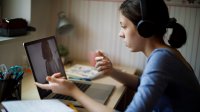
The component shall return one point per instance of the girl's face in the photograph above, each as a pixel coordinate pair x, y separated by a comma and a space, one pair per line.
130, 35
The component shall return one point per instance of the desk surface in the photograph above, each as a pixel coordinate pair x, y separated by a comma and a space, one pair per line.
29, 90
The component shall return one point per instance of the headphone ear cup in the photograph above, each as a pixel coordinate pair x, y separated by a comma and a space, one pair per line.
145, 28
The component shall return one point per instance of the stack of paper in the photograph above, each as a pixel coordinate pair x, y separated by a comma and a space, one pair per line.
82, 71
51, 105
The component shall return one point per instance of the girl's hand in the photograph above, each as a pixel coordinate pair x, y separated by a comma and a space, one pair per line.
103, 64
58, 84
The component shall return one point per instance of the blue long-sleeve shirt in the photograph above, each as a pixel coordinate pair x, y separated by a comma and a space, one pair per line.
166, 85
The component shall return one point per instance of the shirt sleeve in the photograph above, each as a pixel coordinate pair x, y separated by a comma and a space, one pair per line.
152, 84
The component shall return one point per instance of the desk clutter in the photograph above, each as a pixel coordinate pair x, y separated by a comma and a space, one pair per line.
10, 82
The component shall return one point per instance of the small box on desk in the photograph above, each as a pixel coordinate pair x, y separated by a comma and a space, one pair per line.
10, 89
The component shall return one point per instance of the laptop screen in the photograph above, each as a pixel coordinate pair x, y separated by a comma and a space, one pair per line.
44, 60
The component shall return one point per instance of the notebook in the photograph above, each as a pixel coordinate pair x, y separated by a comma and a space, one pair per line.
44, 60
50, 105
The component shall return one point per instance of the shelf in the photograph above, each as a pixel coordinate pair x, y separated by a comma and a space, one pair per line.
5, 38
8, 40
2, 38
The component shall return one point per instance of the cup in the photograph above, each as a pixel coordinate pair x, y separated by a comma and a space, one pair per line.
10, 89
91, 58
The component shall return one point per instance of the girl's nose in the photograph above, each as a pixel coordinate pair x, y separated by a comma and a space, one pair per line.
121, 34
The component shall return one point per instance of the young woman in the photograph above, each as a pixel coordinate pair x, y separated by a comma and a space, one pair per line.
168, 82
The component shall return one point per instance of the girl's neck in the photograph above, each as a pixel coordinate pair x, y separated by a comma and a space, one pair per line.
153, 44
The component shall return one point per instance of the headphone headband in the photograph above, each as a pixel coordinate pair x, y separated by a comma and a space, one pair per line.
150, 12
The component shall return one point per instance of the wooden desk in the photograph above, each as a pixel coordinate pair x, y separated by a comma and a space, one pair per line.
29, 90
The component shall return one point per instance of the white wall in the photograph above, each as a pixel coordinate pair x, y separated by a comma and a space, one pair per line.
17, 9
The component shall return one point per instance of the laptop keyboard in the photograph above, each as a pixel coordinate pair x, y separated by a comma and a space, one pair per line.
82, 86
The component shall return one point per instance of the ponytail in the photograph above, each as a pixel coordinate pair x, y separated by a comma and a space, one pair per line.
178, 37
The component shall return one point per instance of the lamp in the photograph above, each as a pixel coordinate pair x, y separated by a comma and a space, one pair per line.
63, 24
63, 28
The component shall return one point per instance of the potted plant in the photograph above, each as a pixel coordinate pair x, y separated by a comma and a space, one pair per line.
63, 52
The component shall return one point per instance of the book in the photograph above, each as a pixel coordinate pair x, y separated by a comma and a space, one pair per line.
82, 71
50, 105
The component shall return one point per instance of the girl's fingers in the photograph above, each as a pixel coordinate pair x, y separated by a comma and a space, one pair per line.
104, 71
43, 86
54, 79
103, 68
99, 58
56, 75
99, 53
102, 63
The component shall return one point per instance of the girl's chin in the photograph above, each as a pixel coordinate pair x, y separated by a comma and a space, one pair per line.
130, 49
133, 50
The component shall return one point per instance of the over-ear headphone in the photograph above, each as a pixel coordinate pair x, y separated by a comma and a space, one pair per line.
146, 26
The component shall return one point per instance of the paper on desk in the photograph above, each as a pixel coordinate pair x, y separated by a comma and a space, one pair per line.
51, 105
82, 71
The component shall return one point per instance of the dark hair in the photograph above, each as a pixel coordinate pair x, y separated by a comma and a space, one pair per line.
131, 10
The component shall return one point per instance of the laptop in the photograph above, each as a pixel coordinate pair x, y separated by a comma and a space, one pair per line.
44, 60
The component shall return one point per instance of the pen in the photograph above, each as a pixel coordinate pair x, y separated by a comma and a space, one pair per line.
7, 75
72, 107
